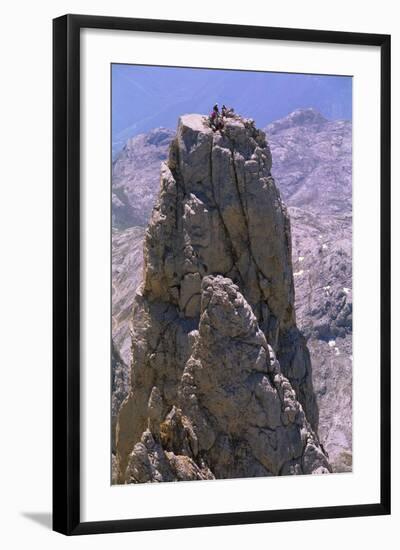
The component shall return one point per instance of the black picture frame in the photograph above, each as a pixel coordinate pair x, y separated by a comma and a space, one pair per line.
66, 273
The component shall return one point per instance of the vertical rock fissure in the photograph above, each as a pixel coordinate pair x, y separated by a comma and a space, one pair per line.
234, 253
249, 244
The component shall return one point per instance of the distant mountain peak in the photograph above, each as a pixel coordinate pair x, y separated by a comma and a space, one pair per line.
299, 117
157, 136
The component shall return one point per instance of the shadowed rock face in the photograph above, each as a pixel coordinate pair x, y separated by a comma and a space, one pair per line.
221, 382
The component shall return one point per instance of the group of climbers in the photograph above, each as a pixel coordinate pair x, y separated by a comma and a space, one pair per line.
216, 117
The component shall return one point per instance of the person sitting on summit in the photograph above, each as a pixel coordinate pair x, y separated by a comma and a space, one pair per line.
212, 119
215, 119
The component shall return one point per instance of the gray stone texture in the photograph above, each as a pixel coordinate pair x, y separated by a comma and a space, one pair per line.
221, 380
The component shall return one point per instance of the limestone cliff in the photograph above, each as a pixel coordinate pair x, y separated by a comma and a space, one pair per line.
221, 382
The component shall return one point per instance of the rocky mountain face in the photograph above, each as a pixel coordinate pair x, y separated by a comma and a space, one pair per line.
312, 161
135, 177
311, 158
221, 380
120, 387
322, 263
322, 255
313, 167
127, 266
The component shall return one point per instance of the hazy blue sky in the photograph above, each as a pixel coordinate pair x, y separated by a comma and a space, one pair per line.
146, 97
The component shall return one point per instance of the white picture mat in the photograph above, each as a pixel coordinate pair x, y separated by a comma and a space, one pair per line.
100, 500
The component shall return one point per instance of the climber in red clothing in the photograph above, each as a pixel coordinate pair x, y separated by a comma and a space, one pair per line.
215, 119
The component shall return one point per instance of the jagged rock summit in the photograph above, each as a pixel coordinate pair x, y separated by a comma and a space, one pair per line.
221, 383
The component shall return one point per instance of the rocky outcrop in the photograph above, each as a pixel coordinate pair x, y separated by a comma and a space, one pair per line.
312, 159
221, 377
